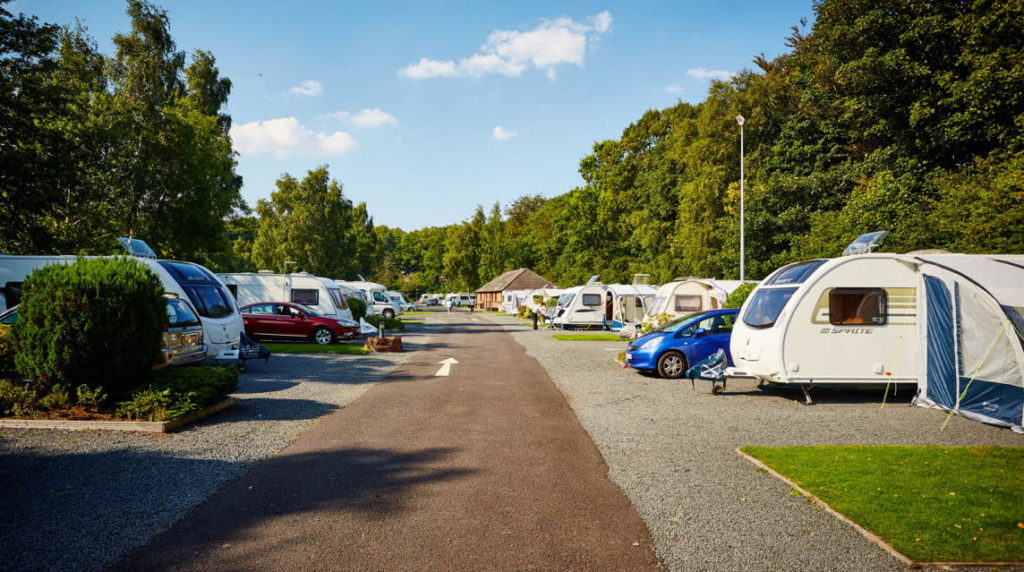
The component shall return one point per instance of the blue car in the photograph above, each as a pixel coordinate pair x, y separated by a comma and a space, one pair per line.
676, 346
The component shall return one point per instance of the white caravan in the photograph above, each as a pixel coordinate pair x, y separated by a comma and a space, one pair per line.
222, 322
397, 297
376, 299
512, 299
688, 295
948, 322
462, 300
581, 307
626, 304
320, 294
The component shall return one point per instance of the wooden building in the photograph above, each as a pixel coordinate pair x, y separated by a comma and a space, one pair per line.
488, 296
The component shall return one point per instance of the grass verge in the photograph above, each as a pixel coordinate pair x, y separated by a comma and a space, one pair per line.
931, 503
589, 337
417, 313
286, 348
407, 322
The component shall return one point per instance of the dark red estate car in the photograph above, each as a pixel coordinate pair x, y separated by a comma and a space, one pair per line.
284, 321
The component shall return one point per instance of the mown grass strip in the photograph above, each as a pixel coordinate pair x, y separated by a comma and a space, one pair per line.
417, 313
413, 322
931, 503
589, 337
286, 348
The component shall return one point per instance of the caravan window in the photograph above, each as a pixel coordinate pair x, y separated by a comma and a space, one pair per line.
765, 306
591, 299
305, 296
12, 294
338, 299
857, 306
794, 273
209, 300
565, 299
687, 303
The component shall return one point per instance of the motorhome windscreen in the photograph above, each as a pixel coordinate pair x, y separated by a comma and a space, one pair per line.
179, 314
338, 299
765, 306
794, 274
857, 306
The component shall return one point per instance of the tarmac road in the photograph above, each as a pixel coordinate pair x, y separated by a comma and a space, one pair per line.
485, 469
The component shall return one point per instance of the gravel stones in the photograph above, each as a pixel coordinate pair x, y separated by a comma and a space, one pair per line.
77, 500
672, 450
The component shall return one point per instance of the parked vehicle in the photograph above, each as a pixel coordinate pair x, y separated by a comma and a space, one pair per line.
397, 298
673, 348
462, 300
376, 297
222, 323
949, 323
687, 295
581, 307
323, 295
182, 337
285, 321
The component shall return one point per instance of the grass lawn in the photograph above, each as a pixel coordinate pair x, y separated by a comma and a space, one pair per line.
417, 313
296, 348
589, 337
933, 504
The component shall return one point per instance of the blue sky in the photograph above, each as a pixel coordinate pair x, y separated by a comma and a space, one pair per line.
424, 110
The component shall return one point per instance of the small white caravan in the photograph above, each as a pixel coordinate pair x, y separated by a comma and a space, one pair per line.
511, 300
581, 306
320, 294
688, 295
376, 297
222, 322
950, 323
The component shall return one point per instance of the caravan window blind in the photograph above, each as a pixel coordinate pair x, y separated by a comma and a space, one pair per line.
687, 303
305, 296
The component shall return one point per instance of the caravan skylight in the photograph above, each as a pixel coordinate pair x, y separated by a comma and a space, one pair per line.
795, 273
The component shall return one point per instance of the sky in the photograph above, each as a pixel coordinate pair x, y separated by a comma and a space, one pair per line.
424, 110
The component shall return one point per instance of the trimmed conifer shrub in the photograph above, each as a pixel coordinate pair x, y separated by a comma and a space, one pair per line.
96, 322
357, 306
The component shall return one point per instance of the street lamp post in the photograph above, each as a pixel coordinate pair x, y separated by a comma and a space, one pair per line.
741, 120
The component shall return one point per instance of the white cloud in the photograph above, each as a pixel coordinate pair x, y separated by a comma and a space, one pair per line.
308, 88
701, 73
675, 89
510, 53
286, 136
368, 118
502, 134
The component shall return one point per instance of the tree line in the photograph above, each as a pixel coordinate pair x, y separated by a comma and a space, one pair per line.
891, 115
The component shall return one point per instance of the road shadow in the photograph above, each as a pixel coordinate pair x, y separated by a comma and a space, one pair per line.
360, 483
900, 396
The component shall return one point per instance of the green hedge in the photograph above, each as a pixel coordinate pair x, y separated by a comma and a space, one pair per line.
96, 322
389, 323
176, 391
739, 295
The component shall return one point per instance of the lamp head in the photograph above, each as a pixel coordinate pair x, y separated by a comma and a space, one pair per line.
740, 120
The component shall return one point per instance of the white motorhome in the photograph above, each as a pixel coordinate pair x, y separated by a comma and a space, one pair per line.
320, 294
950, 323
688, 295
376, 297
222, 322
397, 297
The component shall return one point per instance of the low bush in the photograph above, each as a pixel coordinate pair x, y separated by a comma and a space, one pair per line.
389, 323
6, 351
96, 322
177, 391
524, 312
358, 308
653, 323
57, 399
17, 400
90, 398
739, 295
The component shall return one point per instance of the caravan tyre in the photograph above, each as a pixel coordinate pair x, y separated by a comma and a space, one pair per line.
323, 336
389, 314
672, 365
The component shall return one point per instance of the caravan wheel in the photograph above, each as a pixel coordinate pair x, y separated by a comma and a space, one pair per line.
671, 365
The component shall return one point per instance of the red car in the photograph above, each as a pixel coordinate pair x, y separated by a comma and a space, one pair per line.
285, 321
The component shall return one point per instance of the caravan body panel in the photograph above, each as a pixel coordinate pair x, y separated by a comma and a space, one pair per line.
314, 292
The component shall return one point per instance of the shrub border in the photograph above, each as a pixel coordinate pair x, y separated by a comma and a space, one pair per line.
141, 426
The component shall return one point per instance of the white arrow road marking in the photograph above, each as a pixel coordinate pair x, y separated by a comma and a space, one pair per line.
446, 367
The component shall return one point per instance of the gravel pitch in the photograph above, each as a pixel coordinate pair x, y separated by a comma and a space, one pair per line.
672, 450
78, 500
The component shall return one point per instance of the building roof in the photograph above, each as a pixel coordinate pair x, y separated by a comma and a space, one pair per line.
519, 279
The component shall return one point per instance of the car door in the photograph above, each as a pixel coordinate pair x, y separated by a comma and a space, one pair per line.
719, 332
259, 319
291, 322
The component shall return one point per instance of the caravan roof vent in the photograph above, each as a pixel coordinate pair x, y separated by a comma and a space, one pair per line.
639, 279
593, 279
136, 247
866, 243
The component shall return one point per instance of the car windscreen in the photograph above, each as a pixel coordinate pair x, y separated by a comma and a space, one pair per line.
308, 310
765, 306
678, 323
179, 314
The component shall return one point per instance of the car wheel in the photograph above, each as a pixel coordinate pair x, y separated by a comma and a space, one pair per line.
323, 336
389, 314
672, 365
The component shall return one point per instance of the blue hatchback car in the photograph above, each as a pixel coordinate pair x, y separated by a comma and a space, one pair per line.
674, 347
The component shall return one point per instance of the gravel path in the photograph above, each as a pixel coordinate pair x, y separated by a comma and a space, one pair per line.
77, 500
672, 451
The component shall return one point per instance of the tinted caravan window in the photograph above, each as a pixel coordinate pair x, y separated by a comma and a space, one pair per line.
591, 300
305, 296
795, 273
857, 306
765, 306
206, 293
